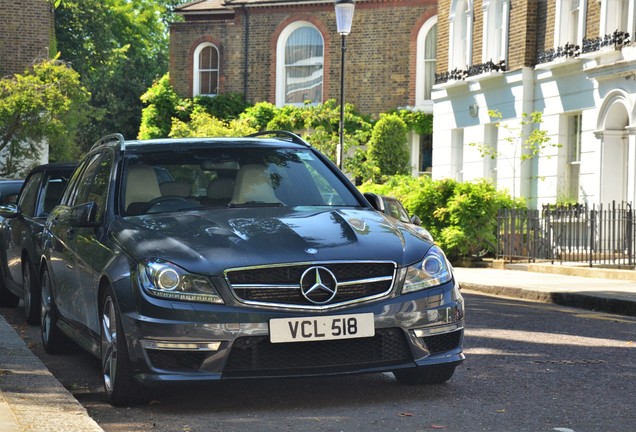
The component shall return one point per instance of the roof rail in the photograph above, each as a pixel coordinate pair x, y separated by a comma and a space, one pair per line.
119, 138
282, 134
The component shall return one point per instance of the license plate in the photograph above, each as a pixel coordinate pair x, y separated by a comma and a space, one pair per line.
330, 327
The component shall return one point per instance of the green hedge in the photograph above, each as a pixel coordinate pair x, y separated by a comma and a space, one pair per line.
461, 216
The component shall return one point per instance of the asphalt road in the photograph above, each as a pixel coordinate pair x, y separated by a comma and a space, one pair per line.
530, 367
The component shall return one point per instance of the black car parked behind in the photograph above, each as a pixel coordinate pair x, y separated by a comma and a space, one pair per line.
20, 235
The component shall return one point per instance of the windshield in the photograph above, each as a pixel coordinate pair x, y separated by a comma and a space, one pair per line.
176, 180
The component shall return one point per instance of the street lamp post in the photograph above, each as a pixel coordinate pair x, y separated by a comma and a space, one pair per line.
344, 18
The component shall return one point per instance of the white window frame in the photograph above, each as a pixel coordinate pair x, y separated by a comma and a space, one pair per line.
563, 25
422, 99
612, 11
280, 61
495, 46
196, 83
461, 30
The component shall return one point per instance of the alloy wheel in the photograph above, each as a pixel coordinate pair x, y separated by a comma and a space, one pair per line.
109, 344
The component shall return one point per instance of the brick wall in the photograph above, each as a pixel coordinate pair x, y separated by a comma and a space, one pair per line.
26, 29
379, 56
593, 19
443, 29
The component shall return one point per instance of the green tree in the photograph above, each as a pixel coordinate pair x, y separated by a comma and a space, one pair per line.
119, 47
45, 105
527, 138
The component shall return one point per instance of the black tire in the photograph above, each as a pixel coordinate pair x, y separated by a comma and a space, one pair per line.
7, 298
120, 386
53, 340
31, 295
425, 375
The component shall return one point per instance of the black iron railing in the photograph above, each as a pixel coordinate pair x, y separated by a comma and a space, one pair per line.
600, 235
618, 40
474, 70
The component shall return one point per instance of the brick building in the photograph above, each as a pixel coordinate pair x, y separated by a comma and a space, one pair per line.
288, 52
571, 60
26, 33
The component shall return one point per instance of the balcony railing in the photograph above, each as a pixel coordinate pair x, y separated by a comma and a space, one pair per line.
618, 40
474, 70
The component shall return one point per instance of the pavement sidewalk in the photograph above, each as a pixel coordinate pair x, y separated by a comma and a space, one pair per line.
614, 292
31, 399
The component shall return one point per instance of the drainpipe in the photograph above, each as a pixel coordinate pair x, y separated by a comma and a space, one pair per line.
246, 51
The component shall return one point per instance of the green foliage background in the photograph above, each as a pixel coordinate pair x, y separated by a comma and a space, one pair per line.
45, 104
461, 216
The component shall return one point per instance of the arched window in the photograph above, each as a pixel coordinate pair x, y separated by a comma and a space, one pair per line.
206, 70
425, 61
496, 19
300, 64
461, 18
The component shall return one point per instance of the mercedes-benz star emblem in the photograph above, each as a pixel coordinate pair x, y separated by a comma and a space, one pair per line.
318, 285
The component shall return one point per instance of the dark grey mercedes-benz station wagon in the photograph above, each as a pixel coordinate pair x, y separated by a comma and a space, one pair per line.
196, 260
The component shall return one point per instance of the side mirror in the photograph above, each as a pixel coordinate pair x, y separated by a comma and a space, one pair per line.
415, 220
374, 200
83, 215
9, 211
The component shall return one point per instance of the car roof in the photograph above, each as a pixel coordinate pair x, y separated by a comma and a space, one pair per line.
164, 144
55, 166
272, 139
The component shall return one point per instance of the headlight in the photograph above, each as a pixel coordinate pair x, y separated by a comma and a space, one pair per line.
434, 270
166, 280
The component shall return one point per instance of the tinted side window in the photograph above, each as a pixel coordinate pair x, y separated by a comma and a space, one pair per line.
29, 195
92, 185
52, 189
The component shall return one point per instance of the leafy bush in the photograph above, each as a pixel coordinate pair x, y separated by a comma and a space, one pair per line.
226, 106
259, 115
202, 124
462, 217
164, 107
388, 149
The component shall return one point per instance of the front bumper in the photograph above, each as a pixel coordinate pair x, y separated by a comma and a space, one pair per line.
194, 342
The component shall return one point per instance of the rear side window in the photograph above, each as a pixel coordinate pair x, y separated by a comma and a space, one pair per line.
29, 195
92, 185
52, 189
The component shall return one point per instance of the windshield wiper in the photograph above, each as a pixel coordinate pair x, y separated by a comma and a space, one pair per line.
255, 204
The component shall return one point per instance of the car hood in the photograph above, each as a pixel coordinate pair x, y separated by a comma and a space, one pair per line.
208, 242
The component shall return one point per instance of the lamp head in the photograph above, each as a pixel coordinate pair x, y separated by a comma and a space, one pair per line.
344, 16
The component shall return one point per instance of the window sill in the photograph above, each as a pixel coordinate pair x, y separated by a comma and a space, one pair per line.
604, 55
485, 76
558, 63
450, 84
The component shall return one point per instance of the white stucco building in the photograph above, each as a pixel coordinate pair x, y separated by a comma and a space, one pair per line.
570, 60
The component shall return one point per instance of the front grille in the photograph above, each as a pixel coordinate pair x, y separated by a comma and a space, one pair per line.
176, 360
257, 356
443, 342
281, 284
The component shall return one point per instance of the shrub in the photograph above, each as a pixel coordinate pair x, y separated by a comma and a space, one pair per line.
259, 115
202, 124
461, 217
388, 149
226, 106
